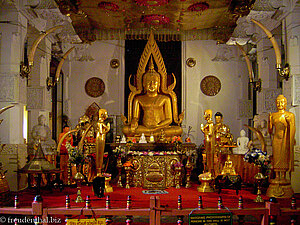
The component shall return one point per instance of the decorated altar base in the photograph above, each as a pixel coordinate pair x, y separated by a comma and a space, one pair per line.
154, 172
156, 165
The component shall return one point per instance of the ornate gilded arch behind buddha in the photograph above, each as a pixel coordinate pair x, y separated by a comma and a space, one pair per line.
152, 103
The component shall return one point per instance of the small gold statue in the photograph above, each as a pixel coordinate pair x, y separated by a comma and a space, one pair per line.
228, 168
208, 130
282, 125
152, 98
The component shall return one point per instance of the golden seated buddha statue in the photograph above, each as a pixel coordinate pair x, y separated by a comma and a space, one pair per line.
222, 131
152, 106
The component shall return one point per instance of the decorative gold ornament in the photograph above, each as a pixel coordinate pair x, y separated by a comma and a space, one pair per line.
210, 85
191, 62
94, 87
114, 63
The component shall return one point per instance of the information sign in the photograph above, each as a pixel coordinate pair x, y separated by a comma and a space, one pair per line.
98, 221
211, 219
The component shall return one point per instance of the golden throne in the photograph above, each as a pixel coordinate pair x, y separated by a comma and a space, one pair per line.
158, 110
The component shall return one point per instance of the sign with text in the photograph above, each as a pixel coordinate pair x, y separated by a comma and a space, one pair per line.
98, 221
211, 219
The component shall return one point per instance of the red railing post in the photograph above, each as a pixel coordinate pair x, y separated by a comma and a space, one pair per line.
157, 212
152, 213
37, 206
274, 211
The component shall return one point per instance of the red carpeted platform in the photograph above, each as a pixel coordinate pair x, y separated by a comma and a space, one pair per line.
118, 197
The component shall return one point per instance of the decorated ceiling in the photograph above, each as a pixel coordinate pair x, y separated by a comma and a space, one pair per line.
210, 19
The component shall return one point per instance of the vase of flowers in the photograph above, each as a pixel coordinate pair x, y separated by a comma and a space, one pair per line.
76, 157
262, 160
259, 158
177, 141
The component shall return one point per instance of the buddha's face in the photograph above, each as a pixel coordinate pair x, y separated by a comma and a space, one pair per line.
281, 103
207, 115
218, 119
103, 114
243, 133
151, 83
42, 120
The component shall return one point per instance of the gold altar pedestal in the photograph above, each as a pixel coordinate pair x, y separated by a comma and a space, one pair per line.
205, 186
119, 167
259, 177
78, 178
280, 188
153, 164
189, 168
206, 183
128, 168
177, 176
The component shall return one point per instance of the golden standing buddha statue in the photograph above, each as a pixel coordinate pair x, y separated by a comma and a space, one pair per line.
208, 131
282, 125
152, 105
102, 130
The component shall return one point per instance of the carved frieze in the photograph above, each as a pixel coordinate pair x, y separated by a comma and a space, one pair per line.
297, 155
7, 88
35, 97
296, 89
11, 149
245, 109
270, 96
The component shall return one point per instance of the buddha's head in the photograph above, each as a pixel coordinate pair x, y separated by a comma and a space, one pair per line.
218, 117
42, 120
243, 133
151, 79
103, 114
207, 114
281, 102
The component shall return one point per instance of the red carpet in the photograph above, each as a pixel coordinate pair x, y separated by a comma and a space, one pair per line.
118, 198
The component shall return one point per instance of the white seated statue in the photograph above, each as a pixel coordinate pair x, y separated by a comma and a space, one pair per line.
143, 139
42, 133
123, 140
242, 143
